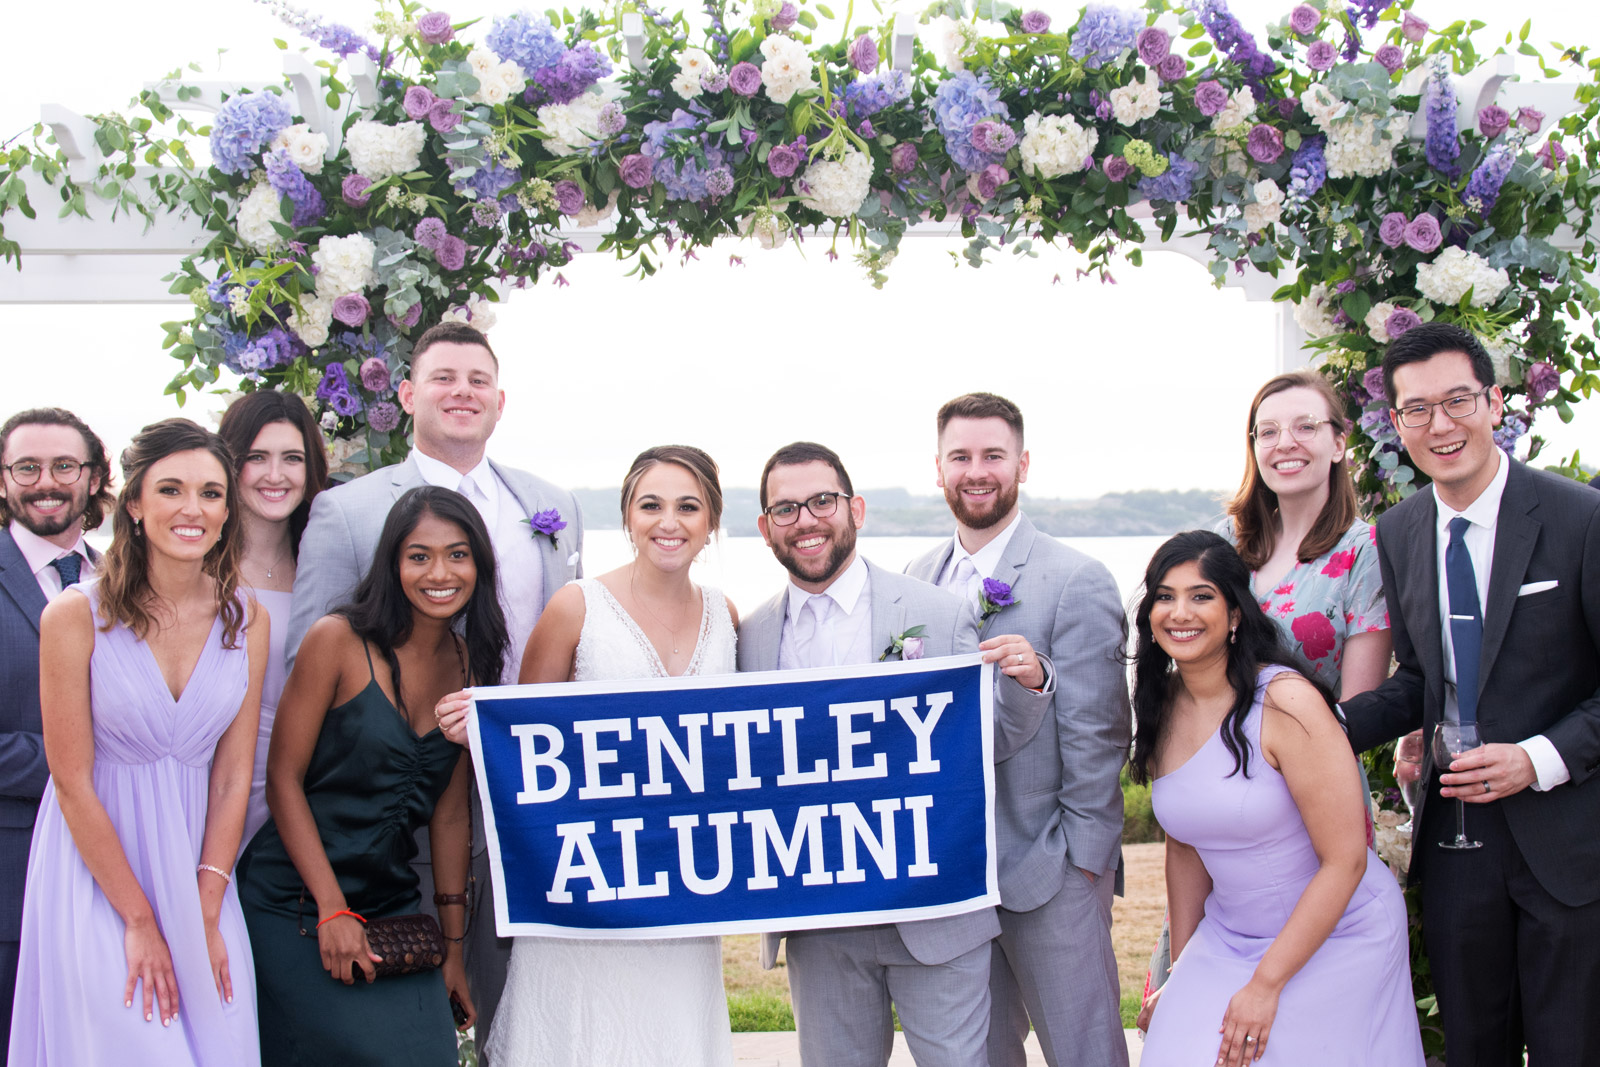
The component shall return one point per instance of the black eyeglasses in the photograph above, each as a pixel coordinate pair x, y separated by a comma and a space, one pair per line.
1457, 407
64, 471
787, 512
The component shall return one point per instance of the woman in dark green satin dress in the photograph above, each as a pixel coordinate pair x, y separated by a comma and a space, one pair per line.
357, 766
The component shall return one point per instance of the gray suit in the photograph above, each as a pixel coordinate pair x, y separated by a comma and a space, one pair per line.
1058, 806
934, 970
335, 552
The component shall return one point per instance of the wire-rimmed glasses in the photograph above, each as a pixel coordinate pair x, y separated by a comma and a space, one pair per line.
1457, 407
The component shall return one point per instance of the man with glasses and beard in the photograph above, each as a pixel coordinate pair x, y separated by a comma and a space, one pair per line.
1058, 801
838, 609
54, 485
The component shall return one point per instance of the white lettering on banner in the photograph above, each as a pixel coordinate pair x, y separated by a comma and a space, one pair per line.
848, 740
689, 765
575, 838
722, 822
807, 831
922, 728
533, 759
918, 807
852, 825
594, 756
741, 722
792, 774
630, 888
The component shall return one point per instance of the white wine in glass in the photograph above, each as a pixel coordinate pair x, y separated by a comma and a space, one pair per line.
1451, 739
1410, 752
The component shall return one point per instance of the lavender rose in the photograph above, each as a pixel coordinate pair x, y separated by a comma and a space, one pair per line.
1422, 233
864, 54
745, 79
1530, 119
442, 116
635, 171
1390, 57
412, 316
1154, 45
435, 28
786, 17
1265, 143
1372, 381
1542, 379
1036, 22
1551, 154
991, 179
903, 159
451, 253
419, 100
911, 648
1392, 230
1210, 97
1493, 121
1320, 55
1116, 168
1399, 321
1413, 29
351, 309
569, 197
782, 161
375, 375
1304, 19
1173, 68
354, 190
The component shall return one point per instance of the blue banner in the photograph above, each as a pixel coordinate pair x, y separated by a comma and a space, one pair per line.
739, 803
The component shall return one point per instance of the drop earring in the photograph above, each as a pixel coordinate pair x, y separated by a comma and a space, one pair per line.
1233, 634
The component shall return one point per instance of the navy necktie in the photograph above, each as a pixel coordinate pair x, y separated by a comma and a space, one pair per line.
69, 567
1466, 618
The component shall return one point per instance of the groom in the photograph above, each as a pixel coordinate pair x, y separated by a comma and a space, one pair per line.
839, 609
454, 398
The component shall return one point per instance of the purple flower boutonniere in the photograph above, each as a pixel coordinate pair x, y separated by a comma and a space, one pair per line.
908, 645
996, 595
547, 523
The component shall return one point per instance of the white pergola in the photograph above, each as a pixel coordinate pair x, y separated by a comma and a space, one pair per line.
105, 260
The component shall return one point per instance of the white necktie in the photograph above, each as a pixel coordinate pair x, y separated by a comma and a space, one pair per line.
470, 490
813, 637
967, 582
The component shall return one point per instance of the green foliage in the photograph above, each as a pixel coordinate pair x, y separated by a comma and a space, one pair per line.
1139, 824
759, 1011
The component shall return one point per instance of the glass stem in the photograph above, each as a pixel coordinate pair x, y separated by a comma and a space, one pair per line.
1461, 821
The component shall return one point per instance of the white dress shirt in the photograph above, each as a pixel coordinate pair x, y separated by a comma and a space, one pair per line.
845, 635
984, 562
485, 492
1482, 515
39, 554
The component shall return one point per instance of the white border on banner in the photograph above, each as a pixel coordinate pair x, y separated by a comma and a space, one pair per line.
504, 927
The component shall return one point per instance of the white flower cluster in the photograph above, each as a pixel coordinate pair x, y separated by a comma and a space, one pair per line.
344, 264
478, 313
1357, 144
953, 42
312, 319
497, 81
1454, 271
787, 69
693, 64
1266, 207
1055, 145
378, 151
1241, 107
837, 187
1374, 322
306, 149
257, 213
1501, 348
770, 228
1315, 313
1137, 101
572, 127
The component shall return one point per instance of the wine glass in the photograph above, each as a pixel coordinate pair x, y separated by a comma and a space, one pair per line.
1408, 769
1449, 741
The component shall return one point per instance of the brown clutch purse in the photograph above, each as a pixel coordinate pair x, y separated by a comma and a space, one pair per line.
407, 943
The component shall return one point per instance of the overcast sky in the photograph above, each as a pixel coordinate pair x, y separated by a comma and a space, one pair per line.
1144, 384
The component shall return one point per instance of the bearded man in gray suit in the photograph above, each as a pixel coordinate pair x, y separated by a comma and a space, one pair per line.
454, 398
1058, 801
839, 609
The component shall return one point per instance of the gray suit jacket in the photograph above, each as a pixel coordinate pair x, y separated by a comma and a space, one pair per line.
336, 548
899, 603
1058, 802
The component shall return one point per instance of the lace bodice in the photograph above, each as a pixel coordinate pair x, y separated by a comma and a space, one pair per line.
611, 644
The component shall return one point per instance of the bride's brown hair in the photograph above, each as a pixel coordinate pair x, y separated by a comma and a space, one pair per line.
691, 459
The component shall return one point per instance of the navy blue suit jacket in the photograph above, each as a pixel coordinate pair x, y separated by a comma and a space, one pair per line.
23, 772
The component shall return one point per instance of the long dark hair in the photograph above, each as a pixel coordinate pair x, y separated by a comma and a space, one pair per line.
379, 612
244, 421
1259, 644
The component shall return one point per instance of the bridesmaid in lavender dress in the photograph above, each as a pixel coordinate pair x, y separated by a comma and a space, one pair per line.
1289, 935
150, 684
281, 466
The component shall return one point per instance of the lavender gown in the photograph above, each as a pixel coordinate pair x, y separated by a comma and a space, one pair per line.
152, 767
1350, 1005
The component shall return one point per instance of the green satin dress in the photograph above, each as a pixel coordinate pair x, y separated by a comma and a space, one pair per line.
371, 783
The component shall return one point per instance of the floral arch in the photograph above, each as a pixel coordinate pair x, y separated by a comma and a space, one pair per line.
1354, 161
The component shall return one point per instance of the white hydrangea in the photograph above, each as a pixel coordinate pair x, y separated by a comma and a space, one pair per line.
572, 127
306, 149
378, 151
950, 40
256, 215
769, 228
1374, 322
1323, 107
311, 320
1137, 101
1315, 313
1454, 271
1501, 348
837, 187
1266, 208
1241, 106
686, 85
478, 313
1363, 146
344, 265
1055, 145
787, 69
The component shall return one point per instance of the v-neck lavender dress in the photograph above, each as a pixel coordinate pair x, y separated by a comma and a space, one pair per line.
152, 769
1350, 1005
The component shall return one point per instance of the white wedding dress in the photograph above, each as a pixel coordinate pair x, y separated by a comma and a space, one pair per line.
615, 1003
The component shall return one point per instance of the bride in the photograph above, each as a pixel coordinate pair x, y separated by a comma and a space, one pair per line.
616, 1003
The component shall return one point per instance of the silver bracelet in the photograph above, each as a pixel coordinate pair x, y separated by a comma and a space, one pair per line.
213, 870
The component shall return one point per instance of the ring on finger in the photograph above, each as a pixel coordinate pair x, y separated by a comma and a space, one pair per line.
1487, 788
1248, 1038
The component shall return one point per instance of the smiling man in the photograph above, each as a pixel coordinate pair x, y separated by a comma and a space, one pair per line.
454, 398
1493, 578
1058, 811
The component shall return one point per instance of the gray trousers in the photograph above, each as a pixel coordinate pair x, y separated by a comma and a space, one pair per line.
1055, 966
844, 981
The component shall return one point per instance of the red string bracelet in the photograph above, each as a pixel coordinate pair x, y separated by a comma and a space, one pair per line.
336, 914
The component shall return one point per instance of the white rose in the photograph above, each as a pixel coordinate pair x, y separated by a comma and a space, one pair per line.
837, 187
694, 61
256, 215
1374, 322
1322, 106
571, 127
510, 76
686, 85
492, 93
306, 149
1055, 145
1314, 314
378, 151
310, 321
1136, 101
1241, 106
1454, 271
787, 68
482, 62
1266, 208
949, 40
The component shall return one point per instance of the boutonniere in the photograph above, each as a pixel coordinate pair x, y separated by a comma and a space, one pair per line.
907, 645
548, 524
996, 595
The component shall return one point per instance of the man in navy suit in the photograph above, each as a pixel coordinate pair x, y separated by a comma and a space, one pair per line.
54, 484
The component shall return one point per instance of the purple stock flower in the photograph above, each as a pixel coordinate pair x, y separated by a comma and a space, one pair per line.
1551, 154
782, 161
435, 28
1234, 40
451, 253
1308, 170
1320, 55
1511, 428
418, 101
1372, 381
354, 190
1035, 22
1439, 101
1483, 188
286, 178
1392, 230
1541, 380
1530, 119
429, 232
635, 171
903, 159
995, 138
1422, 233
745, 79
1390, 57
864, 54
1116, 168
990, 179
442, 116
375, 375
546, 524
569, 197
351, 309
1304, 19
1265, 143
1172, 68
245, 124
1413, 29
383, 416
1153, 44
1210, 97
1493, 121
786, 17
1399, 321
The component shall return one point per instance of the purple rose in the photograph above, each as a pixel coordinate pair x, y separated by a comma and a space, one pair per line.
786, 17
412, 316
991, 179
1399, 321
354, 189
745, 79
1493, 121
1551, 154
1210, 97
903, 159
1116, 168
1372, 382
1173, 68
442, 116
451, 253
351, 309
383, 416
1530, 119
1154, 45
1320, 55
375, 375
864, 54
1392, 230
569, 197
1422, 233
418, 101
1265, 143
1285, 106
1413, 29
865, 130
435, 27
1390, 57
429, 233
911, 648
782, 161
1304, 19
1035, 22
635, 171
1542, 379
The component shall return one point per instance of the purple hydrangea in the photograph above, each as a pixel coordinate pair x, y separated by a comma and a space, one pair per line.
636, 171
863, 54
1389, 56
786, 17
1234, 41
683, 154
287, 180
435, 28
354, 190
1210, 97
569, 76
903, 159
1392, 230
1172, 68
1511, 428
1439, 103
1116, 168
1175, 184
1321, 55
244, 125
1304, 19
252, 355
418, 101
1375, 423
1265, 143
1422, 233
1399, 321
1035, 22
1372, 382
429, 232
527, 40
1541, 380
569, 197
1104, 33
1493, 121
383, 416
489, 184
451, 253
1413, 29
964, 100
866, 97
1308, 170
745, 79
375, 375
1153, 45
1483, 188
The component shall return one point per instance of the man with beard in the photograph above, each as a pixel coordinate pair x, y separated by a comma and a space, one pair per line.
54, 485
1058, 801
838, 609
